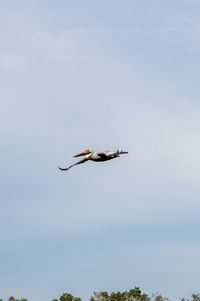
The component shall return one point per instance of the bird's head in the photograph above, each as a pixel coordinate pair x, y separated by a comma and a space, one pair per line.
85, 152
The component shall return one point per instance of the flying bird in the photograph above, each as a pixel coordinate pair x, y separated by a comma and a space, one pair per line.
94, 156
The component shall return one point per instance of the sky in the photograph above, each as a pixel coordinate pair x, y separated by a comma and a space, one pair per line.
106, 75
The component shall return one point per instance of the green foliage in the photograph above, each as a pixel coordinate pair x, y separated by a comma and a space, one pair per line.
13, 299
66, 297
76, 299
196, 297
117, 296
134, 294
137, 294
104, 295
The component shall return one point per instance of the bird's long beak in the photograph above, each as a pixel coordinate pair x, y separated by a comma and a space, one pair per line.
81, 154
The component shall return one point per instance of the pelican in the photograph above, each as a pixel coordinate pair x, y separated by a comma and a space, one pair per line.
94, 156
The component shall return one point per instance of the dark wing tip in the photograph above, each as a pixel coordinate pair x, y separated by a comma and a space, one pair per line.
63, 169
122, 152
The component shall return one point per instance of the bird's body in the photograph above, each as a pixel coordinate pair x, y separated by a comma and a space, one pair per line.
102, 156
95, 156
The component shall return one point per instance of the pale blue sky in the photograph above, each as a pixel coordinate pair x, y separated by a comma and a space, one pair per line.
103, 74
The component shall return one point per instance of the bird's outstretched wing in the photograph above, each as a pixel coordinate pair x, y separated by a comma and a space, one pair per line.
79, 162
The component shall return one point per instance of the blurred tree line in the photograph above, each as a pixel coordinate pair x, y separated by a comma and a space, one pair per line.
134, 294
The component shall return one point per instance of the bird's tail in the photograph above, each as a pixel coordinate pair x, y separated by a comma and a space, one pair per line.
121, 152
